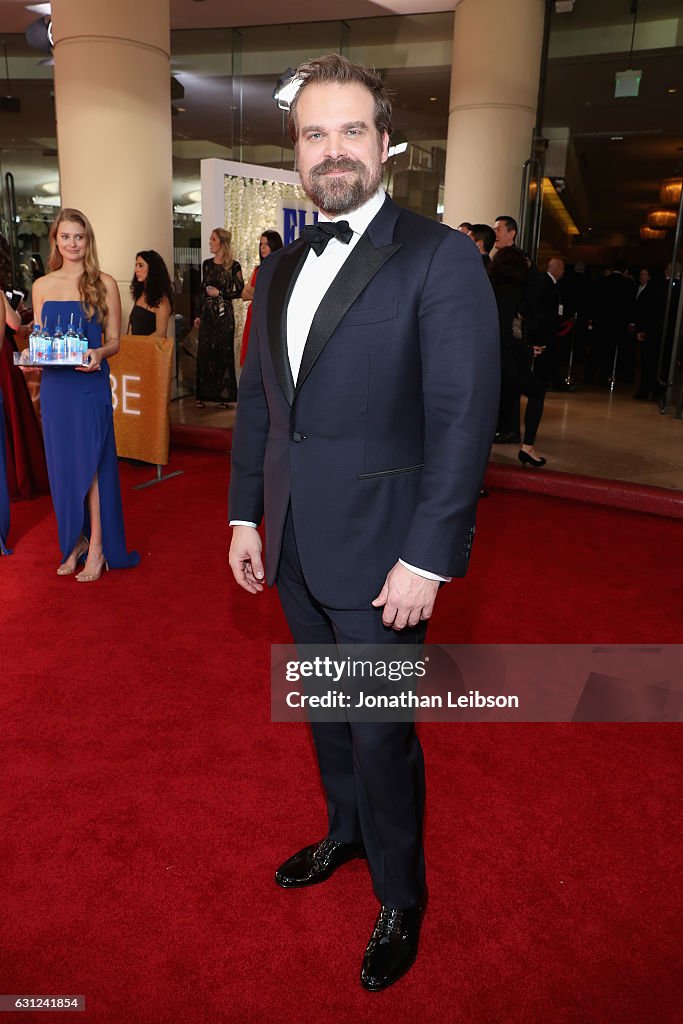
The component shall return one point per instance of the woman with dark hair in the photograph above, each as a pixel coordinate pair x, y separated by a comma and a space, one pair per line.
222, 282
509, 274
78, 422
269, 241
152, 291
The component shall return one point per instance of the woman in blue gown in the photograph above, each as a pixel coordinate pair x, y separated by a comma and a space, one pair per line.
76, 404
4, 490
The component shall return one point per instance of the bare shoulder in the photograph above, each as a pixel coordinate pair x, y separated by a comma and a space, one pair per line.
109, 281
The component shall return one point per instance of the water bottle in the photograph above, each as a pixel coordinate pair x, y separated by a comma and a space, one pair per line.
71, 340
82, 340
58, 345
34, 343
45, 349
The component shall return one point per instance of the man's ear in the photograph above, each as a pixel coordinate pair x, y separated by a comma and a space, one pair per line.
384, 135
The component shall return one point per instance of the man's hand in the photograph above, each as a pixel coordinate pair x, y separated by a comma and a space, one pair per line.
245, 558
406, 597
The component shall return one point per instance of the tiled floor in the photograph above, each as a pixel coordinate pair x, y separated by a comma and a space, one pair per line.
589, 432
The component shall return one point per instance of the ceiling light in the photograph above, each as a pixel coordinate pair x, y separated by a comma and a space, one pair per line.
671, 90
432, 99
50, 188
400, 147
286, 89
662, 219
670, 191
649, 234
616, 138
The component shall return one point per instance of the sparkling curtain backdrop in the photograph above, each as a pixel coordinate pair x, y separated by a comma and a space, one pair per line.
252, 206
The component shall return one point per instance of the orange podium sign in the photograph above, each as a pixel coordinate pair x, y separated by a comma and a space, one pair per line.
140, 377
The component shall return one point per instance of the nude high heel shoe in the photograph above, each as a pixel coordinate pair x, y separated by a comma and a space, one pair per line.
90, 577
81, 551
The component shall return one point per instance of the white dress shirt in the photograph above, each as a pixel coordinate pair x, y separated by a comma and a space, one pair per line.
314, 280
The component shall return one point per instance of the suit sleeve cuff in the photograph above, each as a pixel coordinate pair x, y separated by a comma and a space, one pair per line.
425, 574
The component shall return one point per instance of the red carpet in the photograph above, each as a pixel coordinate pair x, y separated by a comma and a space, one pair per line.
146, 797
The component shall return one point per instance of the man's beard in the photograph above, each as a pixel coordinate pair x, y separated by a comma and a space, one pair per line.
345, 193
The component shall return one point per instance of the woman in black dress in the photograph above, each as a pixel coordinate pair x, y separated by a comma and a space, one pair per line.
152, 291
509, 274
222, 282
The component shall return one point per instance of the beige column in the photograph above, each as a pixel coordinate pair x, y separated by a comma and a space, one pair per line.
113, 106
497, 48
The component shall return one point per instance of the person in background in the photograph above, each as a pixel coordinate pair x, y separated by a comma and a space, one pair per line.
465, 227
152, 292
544, 311
270, 241
484, 237
4, 491
78, 421
222, 282
26, 472
613, 305
509, 273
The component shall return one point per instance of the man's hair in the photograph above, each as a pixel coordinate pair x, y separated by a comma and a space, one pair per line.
333, 68
465, 224
485, 234
509, 222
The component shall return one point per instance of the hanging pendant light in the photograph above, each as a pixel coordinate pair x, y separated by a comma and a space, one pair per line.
662, 220
651, 234
670, 191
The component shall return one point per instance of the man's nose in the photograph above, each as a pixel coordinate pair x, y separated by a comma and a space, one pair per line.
335, 145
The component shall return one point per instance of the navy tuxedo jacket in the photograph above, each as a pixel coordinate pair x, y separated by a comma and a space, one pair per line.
382, 444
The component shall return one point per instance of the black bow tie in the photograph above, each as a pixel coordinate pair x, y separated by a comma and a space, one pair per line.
318, 235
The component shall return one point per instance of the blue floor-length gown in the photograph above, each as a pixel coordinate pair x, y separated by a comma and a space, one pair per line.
78, 427
4, 490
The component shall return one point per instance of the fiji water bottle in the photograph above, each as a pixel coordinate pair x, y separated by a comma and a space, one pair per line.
58, 344
82, 340
71, 340
34, 343
45, 349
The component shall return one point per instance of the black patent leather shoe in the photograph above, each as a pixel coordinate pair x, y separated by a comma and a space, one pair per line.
392, 948
316, 863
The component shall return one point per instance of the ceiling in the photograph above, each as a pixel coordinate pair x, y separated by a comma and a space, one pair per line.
218, 14
611, 182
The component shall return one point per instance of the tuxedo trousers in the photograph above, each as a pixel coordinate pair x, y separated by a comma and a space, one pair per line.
372, 772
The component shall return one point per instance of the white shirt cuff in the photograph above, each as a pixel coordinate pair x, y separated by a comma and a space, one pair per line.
425, 574
241, 522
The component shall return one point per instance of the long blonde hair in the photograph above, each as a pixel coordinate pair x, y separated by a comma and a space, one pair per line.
91, 287
225, 238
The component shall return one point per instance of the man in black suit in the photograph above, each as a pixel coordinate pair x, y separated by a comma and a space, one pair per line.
543, 311
365, 416
613, 306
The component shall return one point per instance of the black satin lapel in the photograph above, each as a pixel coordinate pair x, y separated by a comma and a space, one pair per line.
357, 272
284, 278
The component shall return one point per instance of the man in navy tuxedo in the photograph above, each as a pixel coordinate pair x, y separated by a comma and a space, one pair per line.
366, 411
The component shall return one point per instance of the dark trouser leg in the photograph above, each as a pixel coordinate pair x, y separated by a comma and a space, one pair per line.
522, 380
373, 773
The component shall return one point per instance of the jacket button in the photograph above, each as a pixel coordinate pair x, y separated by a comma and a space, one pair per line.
297, 437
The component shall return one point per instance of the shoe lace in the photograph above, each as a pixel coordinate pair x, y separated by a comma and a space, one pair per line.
388, 923
324, 849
